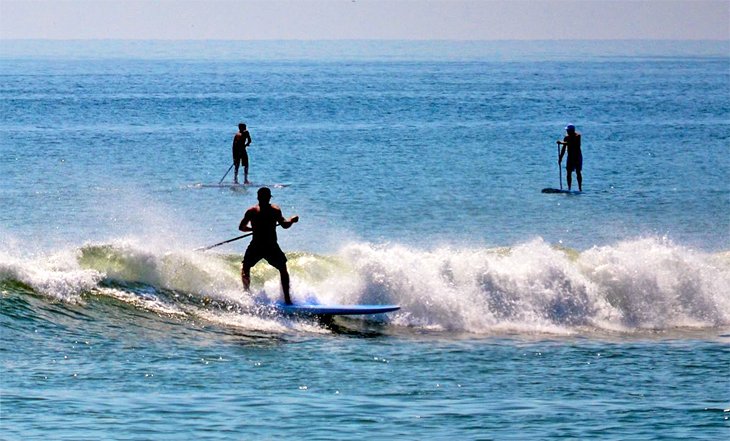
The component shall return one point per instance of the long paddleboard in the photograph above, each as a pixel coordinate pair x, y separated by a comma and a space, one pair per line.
330, 310
232, 185
559, 190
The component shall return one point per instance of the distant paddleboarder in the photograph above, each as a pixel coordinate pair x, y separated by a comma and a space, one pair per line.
262, 219
240, 142
571, 142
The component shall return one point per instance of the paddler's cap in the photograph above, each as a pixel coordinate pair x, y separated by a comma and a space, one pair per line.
264, 191
570, 128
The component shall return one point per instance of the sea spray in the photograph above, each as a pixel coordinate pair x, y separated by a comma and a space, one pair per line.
533, 287
655, 283
57, 275
184, 271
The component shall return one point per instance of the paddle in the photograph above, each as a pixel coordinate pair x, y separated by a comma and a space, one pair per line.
221, 243
560, 177
560, 170
224, 176
225, 241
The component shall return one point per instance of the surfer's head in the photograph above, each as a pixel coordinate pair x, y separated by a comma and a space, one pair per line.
570, 128
241, 126
264, 195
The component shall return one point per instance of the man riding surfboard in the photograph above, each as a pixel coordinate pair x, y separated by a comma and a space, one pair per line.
262, 220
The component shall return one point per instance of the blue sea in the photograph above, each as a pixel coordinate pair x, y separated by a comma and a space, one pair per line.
416, 169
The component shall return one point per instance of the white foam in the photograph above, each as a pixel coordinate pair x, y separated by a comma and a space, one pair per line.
260, 323
56, 275
633, 285
534, 287
654, 283
205, 275
149, 303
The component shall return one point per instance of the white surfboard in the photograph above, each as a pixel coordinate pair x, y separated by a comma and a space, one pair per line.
232, 185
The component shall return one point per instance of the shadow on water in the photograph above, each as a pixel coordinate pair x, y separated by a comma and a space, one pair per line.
354, 328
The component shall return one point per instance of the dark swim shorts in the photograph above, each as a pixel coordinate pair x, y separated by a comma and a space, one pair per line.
574, 164
241, 159
271, 253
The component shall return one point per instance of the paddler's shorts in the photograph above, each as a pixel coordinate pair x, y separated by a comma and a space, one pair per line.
271, 253
241, 160
574, 164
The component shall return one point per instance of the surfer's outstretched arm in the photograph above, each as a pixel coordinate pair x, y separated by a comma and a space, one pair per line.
281, 220
286, 223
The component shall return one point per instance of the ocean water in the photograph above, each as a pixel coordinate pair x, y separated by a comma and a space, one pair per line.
416, 170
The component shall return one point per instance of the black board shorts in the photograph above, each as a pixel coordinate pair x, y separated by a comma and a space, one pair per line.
270, 252
574, 164
241, 159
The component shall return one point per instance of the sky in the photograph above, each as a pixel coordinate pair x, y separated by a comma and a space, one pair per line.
365, 19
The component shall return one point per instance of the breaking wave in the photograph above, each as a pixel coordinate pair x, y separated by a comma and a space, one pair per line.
534, 287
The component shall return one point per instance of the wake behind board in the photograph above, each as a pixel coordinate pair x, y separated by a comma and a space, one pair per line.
331, 310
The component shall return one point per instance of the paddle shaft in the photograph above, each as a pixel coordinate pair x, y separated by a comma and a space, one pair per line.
221, 243
560, 169
224, 176
225, 241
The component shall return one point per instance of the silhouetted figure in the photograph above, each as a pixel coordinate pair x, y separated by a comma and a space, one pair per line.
262, 219
571, 142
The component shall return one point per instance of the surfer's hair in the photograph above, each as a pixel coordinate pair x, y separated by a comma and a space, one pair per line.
264, 192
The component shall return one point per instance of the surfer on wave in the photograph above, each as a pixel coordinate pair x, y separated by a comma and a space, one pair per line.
262, 220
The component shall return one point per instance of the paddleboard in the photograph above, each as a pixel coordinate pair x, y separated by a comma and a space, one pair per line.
330, 310
232, 185
558, 190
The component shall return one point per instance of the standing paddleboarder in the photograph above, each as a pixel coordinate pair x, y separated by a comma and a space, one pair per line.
571, 142
262, 219
241, 141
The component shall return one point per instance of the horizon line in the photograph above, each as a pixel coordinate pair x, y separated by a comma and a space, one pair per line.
415, 40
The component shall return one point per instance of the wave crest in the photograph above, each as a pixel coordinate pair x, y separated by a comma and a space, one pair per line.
648, 283
645, 283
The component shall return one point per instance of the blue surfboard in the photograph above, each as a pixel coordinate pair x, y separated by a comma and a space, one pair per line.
329, 310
